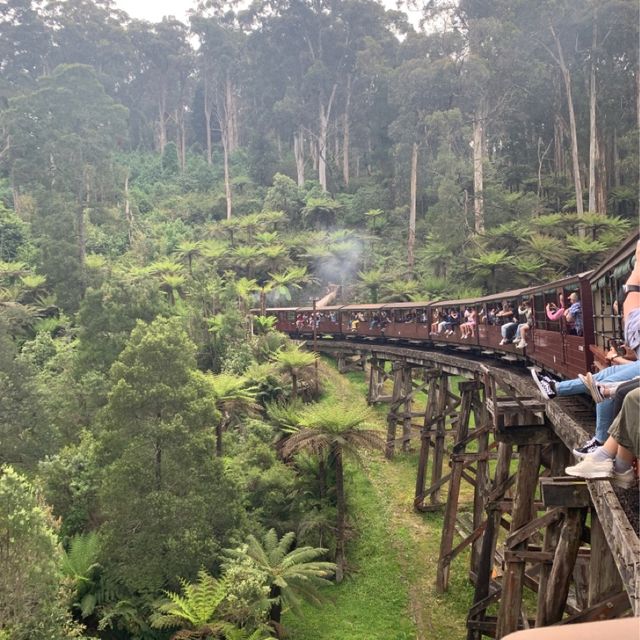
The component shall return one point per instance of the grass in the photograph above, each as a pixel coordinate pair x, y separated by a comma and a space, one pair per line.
390, 589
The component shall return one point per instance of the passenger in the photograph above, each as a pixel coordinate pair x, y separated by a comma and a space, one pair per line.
445, 319
436, 317
491, 318
613, 460
573, 315
509, 326
525, 326
468, 328
355, 321
623, 369
299, 322
453, 320
555, 313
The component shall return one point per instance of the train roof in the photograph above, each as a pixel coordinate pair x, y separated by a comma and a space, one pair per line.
364, 307
328, 308
408, 305
561, 282
621, 258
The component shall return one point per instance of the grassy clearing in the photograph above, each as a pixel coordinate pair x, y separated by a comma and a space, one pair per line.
390, 592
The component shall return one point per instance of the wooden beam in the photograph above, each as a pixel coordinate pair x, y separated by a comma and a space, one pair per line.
564, 492
560, 575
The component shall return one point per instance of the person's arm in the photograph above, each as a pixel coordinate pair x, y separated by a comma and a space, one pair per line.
632, 301
554, 313
614, 358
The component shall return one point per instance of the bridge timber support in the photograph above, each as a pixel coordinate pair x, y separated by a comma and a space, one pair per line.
528, 527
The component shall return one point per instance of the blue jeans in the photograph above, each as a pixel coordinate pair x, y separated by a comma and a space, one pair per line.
604, 410
506, 328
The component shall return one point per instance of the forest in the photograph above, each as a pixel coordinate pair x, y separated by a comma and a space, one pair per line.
171, 466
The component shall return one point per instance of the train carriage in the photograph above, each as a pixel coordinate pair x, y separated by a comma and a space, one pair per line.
328, 320
490, 328
363, 320
554, 344
606, 282
407, 320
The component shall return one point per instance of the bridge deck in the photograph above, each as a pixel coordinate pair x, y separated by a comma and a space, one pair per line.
571, 419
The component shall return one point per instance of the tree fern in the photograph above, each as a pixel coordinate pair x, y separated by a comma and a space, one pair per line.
193, 610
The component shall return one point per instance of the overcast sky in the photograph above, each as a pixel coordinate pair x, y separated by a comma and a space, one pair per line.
154, 10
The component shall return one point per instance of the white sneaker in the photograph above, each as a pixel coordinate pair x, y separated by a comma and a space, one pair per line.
593, 469
521, 344
624, 480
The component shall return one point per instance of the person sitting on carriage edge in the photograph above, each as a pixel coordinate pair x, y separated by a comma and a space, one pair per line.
509, 326
624, 367
613, 459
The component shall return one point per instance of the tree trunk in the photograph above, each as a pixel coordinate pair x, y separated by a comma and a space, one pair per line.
346, 134
207, 118
294, 386
158, 464
322, 149
227, 177
219, 430
162, 125
412, 207
322, 477
601, 175
298, 152
275, 612
127, 209
341, 514
593, 129
478, 170
575, 158
324, 115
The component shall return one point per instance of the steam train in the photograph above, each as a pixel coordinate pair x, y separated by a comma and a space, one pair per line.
551, 344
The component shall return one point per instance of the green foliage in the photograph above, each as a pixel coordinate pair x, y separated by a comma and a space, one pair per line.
71, 480
32, 599
293, 574
160, 413
195, 610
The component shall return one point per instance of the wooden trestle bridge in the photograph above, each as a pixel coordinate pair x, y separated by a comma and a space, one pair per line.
570, 542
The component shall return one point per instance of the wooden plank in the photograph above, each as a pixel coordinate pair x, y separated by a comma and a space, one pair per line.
604, 577
526, 434
564, 492
620, 536
560, 575
524, 532
523, 509
615, 606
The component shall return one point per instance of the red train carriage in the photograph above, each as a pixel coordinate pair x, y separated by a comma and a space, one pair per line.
362, 320
285, 318
328, 320
556, 345
407, 321
493, 317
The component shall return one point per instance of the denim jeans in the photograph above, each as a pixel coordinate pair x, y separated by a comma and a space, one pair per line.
506, 328
604, 410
